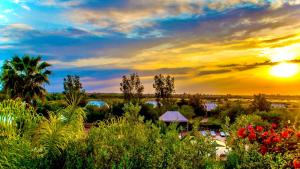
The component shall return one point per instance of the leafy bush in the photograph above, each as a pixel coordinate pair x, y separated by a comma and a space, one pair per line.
187, 111
117, 143
256, 146
149, 112
16, 118
95, 113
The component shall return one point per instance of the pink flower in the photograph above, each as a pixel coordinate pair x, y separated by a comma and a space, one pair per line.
274, 125
250, 127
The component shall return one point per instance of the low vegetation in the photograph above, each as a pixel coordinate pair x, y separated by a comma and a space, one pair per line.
51, 132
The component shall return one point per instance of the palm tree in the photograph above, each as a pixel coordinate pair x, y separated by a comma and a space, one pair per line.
23, 77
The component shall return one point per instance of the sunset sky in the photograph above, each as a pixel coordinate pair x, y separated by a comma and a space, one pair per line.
209, 46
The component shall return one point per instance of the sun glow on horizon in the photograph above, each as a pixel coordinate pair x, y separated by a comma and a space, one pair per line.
284, 70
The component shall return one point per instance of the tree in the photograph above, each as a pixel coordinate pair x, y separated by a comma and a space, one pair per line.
260, 103
197, 103
24, 77
164, 87
73, 90
132, 87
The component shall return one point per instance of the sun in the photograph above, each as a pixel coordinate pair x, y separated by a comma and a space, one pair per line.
284, 70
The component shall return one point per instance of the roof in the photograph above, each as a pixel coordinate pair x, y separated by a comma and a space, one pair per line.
210, 106
173, 116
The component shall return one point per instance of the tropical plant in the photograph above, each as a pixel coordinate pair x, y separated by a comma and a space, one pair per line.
24, 77
16, 118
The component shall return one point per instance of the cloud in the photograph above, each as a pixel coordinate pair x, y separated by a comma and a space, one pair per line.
142, 15
213, 72
60, 3
26, 7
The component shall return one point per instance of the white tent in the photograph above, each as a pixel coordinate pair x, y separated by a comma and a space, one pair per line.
173, 116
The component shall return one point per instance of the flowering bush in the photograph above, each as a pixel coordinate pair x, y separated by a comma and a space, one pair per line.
273, 140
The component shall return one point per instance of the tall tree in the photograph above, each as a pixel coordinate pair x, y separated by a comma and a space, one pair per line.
198, 104
24, 77
73, 90
164, 87
132, 87
260, 103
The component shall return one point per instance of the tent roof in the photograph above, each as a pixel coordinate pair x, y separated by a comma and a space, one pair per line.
173, 116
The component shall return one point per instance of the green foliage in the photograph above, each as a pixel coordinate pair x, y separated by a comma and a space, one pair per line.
197, 103
132, 111
117, 143
50, 106
53, 136
149, 112
54, 96
30, 141
187, 111
232, 110
17, 153
95, 113
24, 77
16, 118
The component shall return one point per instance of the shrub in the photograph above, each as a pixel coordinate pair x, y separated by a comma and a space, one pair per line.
95, 113
117, 143
276, 147
187, 111
149, 112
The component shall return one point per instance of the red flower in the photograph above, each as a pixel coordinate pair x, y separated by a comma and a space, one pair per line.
263, 150
285, 134
272, 130
274, 125
252, 136
267, 141
241, 133
264, 134
259, 128
296, 164
276, 139
298, 134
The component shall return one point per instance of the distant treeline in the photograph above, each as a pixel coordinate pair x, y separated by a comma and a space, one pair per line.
184, 95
